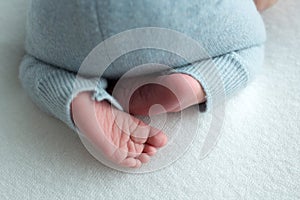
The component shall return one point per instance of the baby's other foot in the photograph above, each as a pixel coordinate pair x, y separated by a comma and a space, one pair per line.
123, 139
173, 92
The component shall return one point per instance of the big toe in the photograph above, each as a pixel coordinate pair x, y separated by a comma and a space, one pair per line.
158, 140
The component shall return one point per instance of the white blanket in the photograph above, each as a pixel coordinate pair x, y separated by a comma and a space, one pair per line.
257, 156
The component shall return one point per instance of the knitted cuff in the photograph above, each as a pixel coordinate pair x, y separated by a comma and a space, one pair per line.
220, 77
57, 91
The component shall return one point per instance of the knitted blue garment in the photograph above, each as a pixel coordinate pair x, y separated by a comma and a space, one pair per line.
60, 34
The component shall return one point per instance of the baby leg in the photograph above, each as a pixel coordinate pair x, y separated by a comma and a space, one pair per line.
123, 139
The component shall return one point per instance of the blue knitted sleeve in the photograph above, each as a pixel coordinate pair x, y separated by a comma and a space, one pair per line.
223, 76
53, 89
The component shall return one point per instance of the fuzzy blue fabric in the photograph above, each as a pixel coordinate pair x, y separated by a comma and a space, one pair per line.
60, 34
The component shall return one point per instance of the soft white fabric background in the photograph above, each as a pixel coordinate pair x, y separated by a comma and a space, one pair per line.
257, 157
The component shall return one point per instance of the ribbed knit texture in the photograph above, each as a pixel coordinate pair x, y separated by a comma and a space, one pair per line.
60, 34
53, 89
221, 77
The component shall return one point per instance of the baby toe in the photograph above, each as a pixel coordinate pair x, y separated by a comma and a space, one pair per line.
144, 158
131, 162
150, 150
158, 140
134, 149
139, 140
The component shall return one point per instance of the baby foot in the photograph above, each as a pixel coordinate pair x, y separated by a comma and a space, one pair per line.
123, 139
262, 5
174, 92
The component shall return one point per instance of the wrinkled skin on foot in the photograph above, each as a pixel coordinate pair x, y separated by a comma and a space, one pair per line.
122, 138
